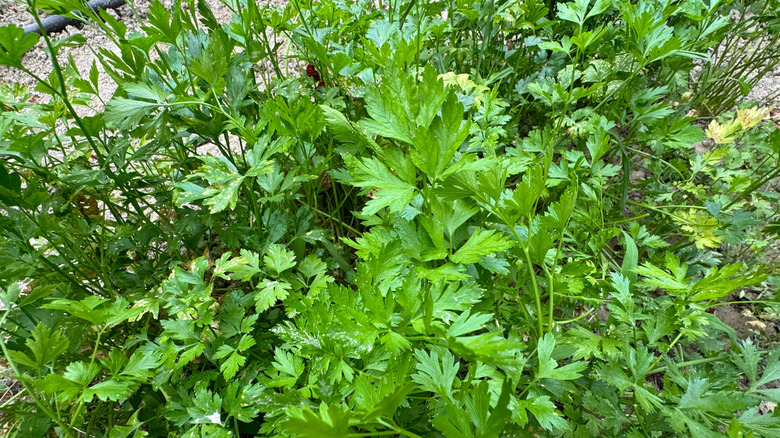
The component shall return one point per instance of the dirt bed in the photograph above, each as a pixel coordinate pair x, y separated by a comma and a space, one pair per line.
84, 55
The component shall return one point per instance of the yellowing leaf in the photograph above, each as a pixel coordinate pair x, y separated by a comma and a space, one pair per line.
747, 118
701, 226
723, 134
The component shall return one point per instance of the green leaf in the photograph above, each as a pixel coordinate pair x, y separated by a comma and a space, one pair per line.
481, 243
501, 413
144, 90
699, 398
69, 385
540, 243
9, 295
141, 364
10, 185
395, 342
312, 266
434, 373
747, 359
771, 371
187, 192
288, 364
81, 372
343, 129
86, 309
329, 422
380, 32
211, 63
230, 367
467, 323
207, 408
46, 345
719, 283
544, 410
389, 403
693, 397
630, 260
548, 368
661, 323
132, 425
452, 214
388, 111
435, 146
561, 210
127, 113
279, 259
577, 11
447, 271
269, 292
246, 341
38, 293
190, 354
243, 267
453, 422
453, 296
223, 195
109, 390
623, 307
224, 180
673, 284
66, 389
14, 43
489, 348
242, 401
392, 191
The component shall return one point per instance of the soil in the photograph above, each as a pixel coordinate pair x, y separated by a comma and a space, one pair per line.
12, 12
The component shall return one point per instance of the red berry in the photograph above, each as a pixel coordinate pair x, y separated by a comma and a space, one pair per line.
312, 72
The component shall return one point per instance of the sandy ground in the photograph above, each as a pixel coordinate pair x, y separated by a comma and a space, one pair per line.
767, 90
36, 60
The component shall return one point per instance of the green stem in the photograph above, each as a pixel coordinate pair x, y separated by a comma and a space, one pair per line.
397, 429
520, 396
568, 321
728, 303
689, 363
63, 91
537, 293
534, 284
77, 412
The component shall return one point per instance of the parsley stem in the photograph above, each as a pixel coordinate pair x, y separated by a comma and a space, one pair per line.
537, 294
334, 219
534, 284
91, 363
397, 429
729, 303
567, 321
688, 363
631, 219
519, 396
